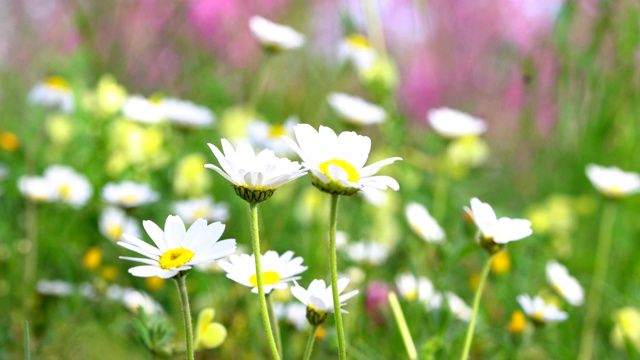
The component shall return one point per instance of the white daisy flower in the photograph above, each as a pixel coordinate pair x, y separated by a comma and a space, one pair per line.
255, 177
458, 307
185, 113
114, 222
613, 182
355, 110
269, 136
319, 297
423, 224
454, 124
368, 252
58, 288
203, 207
276, 270
539, 312
274, 36
129, 194
37, 188
357, 50
337, 162
55, 93
412, 288
294, 313
133, 299
71, 188
494, 230
177, 249
564, 284
140, 109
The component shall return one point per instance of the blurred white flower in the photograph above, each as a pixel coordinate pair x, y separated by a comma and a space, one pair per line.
276, 270
294, 313
368, 252
538, 311
500, 231
337, 162
269, 136
114, 222
423, 224
4, 171
185, 113
357, 50
129, 194
140, 109
275, 36
412, 288
203, 207
319, 296
133, 299
37, 188
177, 249
458, 307
566, 285
59, 288
355, 110
613, 182
55, 92
453, 123
71, 188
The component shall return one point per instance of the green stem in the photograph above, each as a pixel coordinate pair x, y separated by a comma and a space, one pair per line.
333, 220
255, 237
402, 325
312, 338
599, 275
259, 79
440, 192
181, 284
476, 306
276, 326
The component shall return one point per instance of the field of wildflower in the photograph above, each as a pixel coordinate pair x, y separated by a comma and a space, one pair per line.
421, 179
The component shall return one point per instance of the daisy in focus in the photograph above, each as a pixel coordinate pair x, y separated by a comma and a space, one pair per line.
277, 270
423, 224
613, 182
70, 187
539, 312
255, 177
204, 207
129, 194
337, 162
355, 110
177, 249
185, 113
55, 93
564, 284
269, 136
494, 233
274, 36
453, 124
318, 298
114, 222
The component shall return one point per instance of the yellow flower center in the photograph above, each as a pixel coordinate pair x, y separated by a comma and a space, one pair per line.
57, 83
352, 173
65, 191
538, 315
155, 99
202, 212
359, 41
614, 191
268, 278
115, 232
174, 258
411, 295
276, 131
129, 199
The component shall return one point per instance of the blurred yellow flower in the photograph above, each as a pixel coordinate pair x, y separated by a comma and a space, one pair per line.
555, 216
109, 95
154, 283
464, 153
109, 273
191, 178
281, 295
474, 280
92, 258
9, 141
518, 323
209, 335
501, 263
381, 77
59, 129
321, 333
235, 121
135, 144
626, 327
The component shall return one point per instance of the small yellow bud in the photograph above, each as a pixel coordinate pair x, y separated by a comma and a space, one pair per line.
92, 258
109, 273
9, 141
501, 263
154, 283
518, 323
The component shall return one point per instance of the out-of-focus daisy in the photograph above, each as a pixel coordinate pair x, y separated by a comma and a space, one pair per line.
458, 307
423, 224
129, 194
276, 270
140, 109
368, 252
59, 288
71, 188
293, 313
454, 124
613, 182
412, 288
55, 92
177, 249
114, 222
318, 298
274, 36
209, 334
566, 285
494, 232
337, 162
269, 136
204, 208
254, 177
37, 188
133, 299
357, 50
355, 110
539, 312
185, 113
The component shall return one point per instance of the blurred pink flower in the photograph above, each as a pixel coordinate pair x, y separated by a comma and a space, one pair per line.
375, 298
